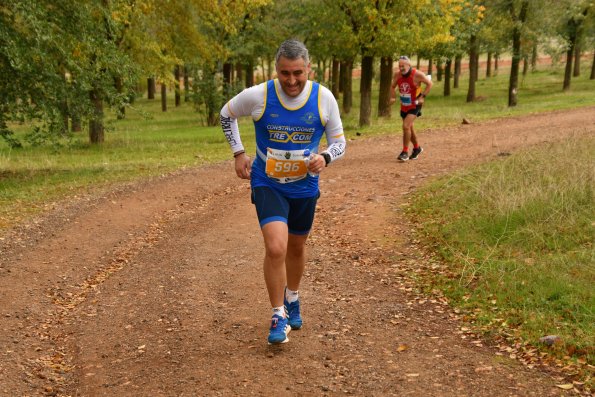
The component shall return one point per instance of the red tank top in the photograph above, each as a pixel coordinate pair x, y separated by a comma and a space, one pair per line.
408, 91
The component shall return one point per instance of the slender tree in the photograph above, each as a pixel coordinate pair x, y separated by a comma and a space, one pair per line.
574, 24
473, 66
518, 17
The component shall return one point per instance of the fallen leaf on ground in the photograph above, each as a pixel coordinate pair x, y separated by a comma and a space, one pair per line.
567, 386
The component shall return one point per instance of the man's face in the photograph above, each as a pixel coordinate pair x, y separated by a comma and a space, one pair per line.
404, 66
293, 75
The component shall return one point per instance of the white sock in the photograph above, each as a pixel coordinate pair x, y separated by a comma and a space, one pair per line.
291, 296
279, 311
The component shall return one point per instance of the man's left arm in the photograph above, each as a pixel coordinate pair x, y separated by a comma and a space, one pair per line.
335, 138
423, 78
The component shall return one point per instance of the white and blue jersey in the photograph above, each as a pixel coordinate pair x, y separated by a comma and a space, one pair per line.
286, 129
283, 134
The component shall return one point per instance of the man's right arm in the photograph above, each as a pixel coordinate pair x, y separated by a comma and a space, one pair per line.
393, 87
229, 125
246, 103
230, 128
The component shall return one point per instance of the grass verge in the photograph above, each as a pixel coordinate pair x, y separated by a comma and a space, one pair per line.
517, 237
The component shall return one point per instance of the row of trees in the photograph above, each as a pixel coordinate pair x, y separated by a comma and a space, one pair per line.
63, 61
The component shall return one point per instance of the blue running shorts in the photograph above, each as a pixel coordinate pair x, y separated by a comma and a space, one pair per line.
297, 213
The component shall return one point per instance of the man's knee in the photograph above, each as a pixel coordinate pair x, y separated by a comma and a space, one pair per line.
276, 249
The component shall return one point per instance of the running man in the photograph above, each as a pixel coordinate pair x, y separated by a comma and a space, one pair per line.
290, 115
409, 81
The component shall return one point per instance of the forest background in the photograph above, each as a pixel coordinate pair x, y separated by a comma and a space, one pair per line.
63, 62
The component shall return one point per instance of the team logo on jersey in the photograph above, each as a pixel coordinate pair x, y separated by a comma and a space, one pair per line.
288, 133
404, 87
295, 137
309, 118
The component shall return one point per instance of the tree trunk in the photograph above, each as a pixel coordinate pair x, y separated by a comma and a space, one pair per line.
227, 79
177, 91
458, 60
516, 52
151, 88
347, 89
430, 66
489, 65
472, 68
335, 78
76, 124
186, 84
418, 63
119, 84
439, 69
96, 131
321, 71
577, 60
250, 74
386, 76
365, 108
64, 108
211, 118
163, 97
447, 72
476, 73
239, 72
525, 65
269, 68
534, 56
568, 69
574, 28
342, 78
593, 68
496, 59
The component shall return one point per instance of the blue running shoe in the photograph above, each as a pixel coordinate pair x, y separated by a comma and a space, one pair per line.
279, 330
293, 312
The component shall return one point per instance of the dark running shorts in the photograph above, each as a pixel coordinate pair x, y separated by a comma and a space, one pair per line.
416, 111
271, 206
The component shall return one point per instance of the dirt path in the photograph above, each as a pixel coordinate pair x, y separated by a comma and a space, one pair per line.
156, 289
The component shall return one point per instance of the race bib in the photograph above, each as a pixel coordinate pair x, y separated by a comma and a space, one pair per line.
406, 99
286, 165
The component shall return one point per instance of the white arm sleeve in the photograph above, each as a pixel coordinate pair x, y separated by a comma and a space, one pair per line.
249, 102
334, 127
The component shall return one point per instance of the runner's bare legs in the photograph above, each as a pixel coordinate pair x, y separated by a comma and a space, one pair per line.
275, 241
295, 261
408, 134
282, 266
413, 137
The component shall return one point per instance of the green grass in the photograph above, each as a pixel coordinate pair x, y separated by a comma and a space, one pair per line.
136, 147
518, 237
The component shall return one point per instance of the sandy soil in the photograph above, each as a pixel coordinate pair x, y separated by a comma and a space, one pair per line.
156, 289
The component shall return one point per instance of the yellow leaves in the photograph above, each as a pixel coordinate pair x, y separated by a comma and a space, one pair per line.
402, 347
566, 386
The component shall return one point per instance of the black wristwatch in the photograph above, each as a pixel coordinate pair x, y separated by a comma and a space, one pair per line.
327, 158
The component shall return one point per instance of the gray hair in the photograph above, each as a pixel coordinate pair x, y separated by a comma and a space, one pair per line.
293, 49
